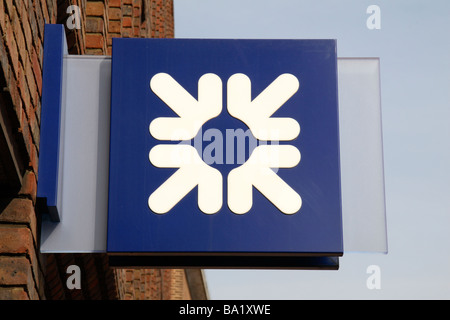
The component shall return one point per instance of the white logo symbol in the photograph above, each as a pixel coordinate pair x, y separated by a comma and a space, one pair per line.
193, 171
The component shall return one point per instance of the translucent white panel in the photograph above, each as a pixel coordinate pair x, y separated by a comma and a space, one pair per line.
362, 174
87, 81
86, 96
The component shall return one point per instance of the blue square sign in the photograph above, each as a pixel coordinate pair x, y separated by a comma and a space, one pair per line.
224, 147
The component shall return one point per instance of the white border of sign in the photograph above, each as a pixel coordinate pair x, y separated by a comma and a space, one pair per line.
361, 151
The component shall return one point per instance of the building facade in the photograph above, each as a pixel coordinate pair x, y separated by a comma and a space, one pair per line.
25, 273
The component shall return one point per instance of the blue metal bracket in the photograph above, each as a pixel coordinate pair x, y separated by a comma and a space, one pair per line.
48, 188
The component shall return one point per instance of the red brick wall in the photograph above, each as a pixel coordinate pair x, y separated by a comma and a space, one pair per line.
25, 273
21, 41
21, 274
152, 284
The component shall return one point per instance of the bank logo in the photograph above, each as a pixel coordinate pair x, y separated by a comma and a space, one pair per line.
258, 171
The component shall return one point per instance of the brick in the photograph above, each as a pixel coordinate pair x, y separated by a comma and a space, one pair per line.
37, 71
144, 33
19, 210
2, 17
94, 8
24, 89
112, 36
18, 33
129, 275
94, 41
26, 26
34, 159
9, 6
40, 20
14, 93
29, 75
51, 5
45, 11
32, 19
98, 52
27, 137
128, 296
127, 32
114, 3
51, 8
114, 27
137, 12
13, 293
16, 239
126, 22
35, 130
4, 59
38, 113
127, 10
94, 24
24, 92
12, 47
15, 271
23, 129
115, 13
29, 186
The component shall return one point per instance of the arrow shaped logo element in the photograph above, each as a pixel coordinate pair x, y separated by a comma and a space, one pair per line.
257, 114
192, 172
256, 172
192, 113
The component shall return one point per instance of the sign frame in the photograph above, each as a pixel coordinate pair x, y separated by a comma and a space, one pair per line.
163, 56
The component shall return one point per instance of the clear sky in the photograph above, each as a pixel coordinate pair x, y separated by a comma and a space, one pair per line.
414, 50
